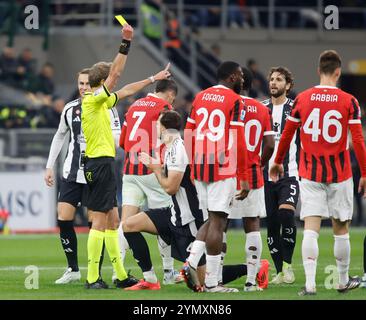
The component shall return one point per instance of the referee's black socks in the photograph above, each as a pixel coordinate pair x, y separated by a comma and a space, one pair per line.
289, 231
69, 243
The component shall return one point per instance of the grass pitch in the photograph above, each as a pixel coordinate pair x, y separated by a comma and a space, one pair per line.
44, 251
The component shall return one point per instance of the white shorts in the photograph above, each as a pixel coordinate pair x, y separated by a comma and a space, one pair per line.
252, 206
334, 200
216, 196
144, 190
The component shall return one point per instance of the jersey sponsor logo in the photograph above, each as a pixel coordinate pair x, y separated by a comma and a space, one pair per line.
324, 97
76, 119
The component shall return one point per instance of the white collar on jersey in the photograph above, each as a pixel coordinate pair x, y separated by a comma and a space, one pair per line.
152, 95
220, 86
245, 97
327, 87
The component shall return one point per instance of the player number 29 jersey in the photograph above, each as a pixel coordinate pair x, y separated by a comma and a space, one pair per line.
215, 118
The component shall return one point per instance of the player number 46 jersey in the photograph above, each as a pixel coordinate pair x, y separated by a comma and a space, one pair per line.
325, 114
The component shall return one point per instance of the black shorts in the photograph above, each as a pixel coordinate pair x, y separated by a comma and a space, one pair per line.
100, 177
285, 191
180, 238
73, 193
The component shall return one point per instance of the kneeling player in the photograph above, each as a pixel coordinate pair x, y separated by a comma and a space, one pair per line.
178, 224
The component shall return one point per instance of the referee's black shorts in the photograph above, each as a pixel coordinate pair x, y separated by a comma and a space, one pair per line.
73, 193
180, 238
100, 177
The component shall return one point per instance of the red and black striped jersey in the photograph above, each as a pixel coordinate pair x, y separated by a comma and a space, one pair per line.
258, 123
139, 132
216, 124
325, 115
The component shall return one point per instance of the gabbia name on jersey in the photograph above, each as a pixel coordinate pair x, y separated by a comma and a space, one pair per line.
139, 132
325, 115
216, 125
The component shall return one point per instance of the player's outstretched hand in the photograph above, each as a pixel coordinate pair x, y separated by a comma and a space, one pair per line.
150, 162
48, 177
164, 74
276, 172
244, 190
362, 187
127, 32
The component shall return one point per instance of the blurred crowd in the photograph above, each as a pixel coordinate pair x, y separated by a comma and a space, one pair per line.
19, 74
240, 13
20, 77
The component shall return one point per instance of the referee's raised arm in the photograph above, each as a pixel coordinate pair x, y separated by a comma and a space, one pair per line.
120, 60
132, 88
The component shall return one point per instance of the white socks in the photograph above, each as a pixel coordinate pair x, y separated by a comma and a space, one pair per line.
253, 251
166, 254
212, 270
150, 276
342, 251
123, 244
197, 250
310, 253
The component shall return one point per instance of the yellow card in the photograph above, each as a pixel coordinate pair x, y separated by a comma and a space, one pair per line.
121, 20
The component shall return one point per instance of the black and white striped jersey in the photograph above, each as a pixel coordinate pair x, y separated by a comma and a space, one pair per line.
279, 117
70, 121
185, 207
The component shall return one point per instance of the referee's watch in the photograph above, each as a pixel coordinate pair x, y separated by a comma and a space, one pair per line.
152, 79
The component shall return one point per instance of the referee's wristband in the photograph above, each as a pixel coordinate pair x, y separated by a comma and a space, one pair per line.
125, 46
152, 79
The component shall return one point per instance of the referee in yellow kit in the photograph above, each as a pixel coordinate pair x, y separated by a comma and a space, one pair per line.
99, 164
